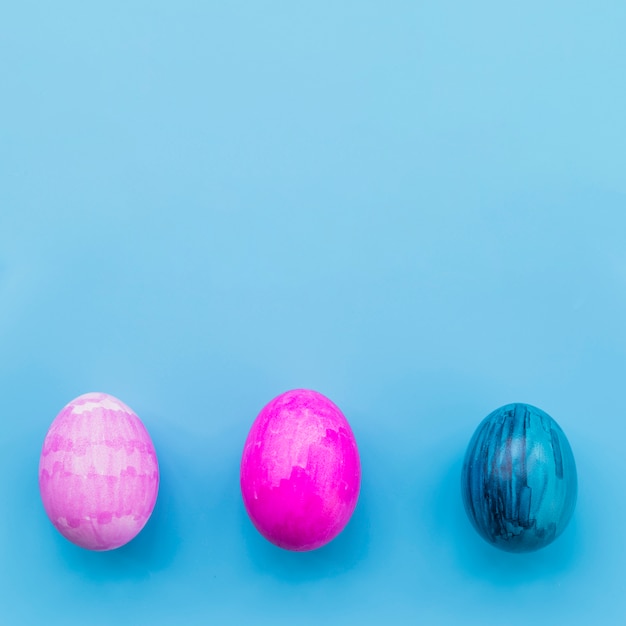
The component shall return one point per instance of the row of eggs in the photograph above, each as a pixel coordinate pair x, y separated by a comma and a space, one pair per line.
300, 474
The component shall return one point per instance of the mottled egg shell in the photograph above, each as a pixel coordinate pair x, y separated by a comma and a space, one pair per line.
519, 481
98, 472
300, 471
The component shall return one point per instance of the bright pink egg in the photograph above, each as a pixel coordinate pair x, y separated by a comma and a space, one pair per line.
98, 472
300, 471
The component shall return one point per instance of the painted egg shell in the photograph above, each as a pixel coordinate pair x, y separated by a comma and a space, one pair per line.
98, 472
519, 481
300, 471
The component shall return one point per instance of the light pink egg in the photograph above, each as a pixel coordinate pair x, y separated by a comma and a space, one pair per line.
98, 472
300, 471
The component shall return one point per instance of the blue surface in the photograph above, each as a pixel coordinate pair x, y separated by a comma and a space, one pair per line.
417, 209
518, 481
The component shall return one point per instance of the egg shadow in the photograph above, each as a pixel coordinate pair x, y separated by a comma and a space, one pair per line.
155, 547
476, 557
334, 559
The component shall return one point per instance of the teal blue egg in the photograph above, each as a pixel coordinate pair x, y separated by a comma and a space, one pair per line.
519, 481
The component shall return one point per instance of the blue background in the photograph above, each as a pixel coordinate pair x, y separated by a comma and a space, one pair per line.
418, 209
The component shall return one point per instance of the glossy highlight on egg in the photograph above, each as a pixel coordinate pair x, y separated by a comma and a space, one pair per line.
98, 472
300, 471
519, 481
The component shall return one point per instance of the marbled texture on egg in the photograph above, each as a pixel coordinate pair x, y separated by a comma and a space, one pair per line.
519, 482
98, 472
300, 471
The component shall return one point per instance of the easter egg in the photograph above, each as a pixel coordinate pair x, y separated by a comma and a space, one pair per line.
300, 471
98, 472
519, 481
